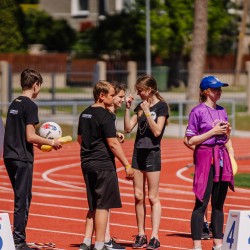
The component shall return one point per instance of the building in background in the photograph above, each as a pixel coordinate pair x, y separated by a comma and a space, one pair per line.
80, 13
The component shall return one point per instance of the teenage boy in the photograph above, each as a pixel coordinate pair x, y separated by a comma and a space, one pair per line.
18, 155
99, 147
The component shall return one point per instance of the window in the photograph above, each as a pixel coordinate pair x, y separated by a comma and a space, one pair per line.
79, 8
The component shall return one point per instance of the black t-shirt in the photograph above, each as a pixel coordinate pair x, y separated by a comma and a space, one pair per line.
22, 112
144, 136
95, 125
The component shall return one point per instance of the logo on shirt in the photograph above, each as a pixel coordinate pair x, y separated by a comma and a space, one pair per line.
153, 114
13, 111
88, 116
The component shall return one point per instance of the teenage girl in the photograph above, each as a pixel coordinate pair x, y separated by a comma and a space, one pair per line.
151, 115
208, 129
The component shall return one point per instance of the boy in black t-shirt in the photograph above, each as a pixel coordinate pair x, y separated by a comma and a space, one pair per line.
18, 150
99, 146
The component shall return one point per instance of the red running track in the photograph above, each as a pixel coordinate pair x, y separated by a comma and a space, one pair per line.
59, 203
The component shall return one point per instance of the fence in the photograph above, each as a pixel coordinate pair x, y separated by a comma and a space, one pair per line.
66, 114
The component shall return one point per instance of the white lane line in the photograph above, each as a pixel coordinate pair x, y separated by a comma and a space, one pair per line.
112, 224
81, 208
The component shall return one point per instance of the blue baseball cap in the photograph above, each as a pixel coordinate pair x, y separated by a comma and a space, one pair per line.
211, 82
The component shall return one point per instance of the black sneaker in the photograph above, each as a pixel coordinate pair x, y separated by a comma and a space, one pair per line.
153, 244
205, 232
83, 246
22, 246
112, 244
140, 241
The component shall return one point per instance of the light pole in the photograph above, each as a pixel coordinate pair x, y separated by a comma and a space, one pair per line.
148, 42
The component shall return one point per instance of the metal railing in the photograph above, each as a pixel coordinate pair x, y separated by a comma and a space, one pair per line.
67, 112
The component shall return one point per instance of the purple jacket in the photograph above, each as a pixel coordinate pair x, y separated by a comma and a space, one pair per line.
203, 157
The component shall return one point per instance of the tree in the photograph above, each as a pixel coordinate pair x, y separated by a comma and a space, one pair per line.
198, 53
41, 28
11, 39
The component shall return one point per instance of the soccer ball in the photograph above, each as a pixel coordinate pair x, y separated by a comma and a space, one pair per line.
50, 130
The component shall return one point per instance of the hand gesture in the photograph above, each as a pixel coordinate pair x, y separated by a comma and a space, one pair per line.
145, 105
221, 128
129, 99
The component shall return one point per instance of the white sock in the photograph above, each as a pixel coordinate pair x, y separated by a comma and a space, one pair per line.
217, 247
99, 245
198, 248
87, 241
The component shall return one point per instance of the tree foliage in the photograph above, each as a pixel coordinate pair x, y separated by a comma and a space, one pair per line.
41, 28
11, 39
171, 30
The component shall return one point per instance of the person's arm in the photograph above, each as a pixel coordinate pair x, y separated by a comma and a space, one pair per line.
156, 127
116, 148
229, 146
216, 130
129, 123
185, 141
32, 137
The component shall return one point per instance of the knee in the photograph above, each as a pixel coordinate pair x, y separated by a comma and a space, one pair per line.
139, 197
153, 199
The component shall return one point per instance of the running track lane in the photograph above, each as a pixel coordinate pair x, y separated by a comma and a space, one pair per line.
59, 202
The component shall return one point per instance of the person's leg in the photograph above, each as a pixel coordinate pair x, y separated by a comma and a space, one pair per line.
217, 218
153, 179
29, 191
140, 207
197, 218
107, 232
100, 223
21, 183
89, 230
205, 230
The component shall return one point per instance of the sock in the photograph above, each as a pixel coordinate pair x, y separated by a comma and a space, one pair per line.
99, 245
217, 247
87, 241
107, 240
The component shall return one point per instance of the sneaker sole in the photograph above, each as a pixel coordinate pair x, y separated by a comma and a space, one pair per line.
205, 238
151, 248
144, 246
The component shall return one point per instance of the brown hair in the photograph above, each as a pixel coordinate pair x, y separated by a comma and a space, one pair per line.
203, 95
29, 77
146, 82
101, 87
118, 87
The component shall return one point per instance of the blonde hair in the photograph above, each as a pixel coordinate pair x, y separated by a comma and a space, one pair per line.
101, 87
146, 82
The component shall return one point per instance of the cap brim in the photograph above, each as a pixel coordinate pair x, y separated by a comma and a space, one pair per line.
218, 85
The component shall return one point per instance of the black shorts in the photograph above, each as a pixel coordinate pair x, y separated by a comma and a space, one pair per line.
148, 160
102, 190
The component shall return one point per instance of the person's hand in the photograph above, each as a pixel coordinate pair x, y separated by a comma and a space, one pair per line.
229, 128
129, 99
145, 105
129, 172
56, 144
221, 128
120, 136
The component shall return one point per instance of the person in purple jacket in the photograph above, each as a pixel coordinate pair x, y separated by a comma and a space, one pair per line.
209, 130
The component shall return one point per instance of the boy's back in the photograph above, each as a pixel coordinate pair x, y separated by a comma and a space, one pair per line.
95, 125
